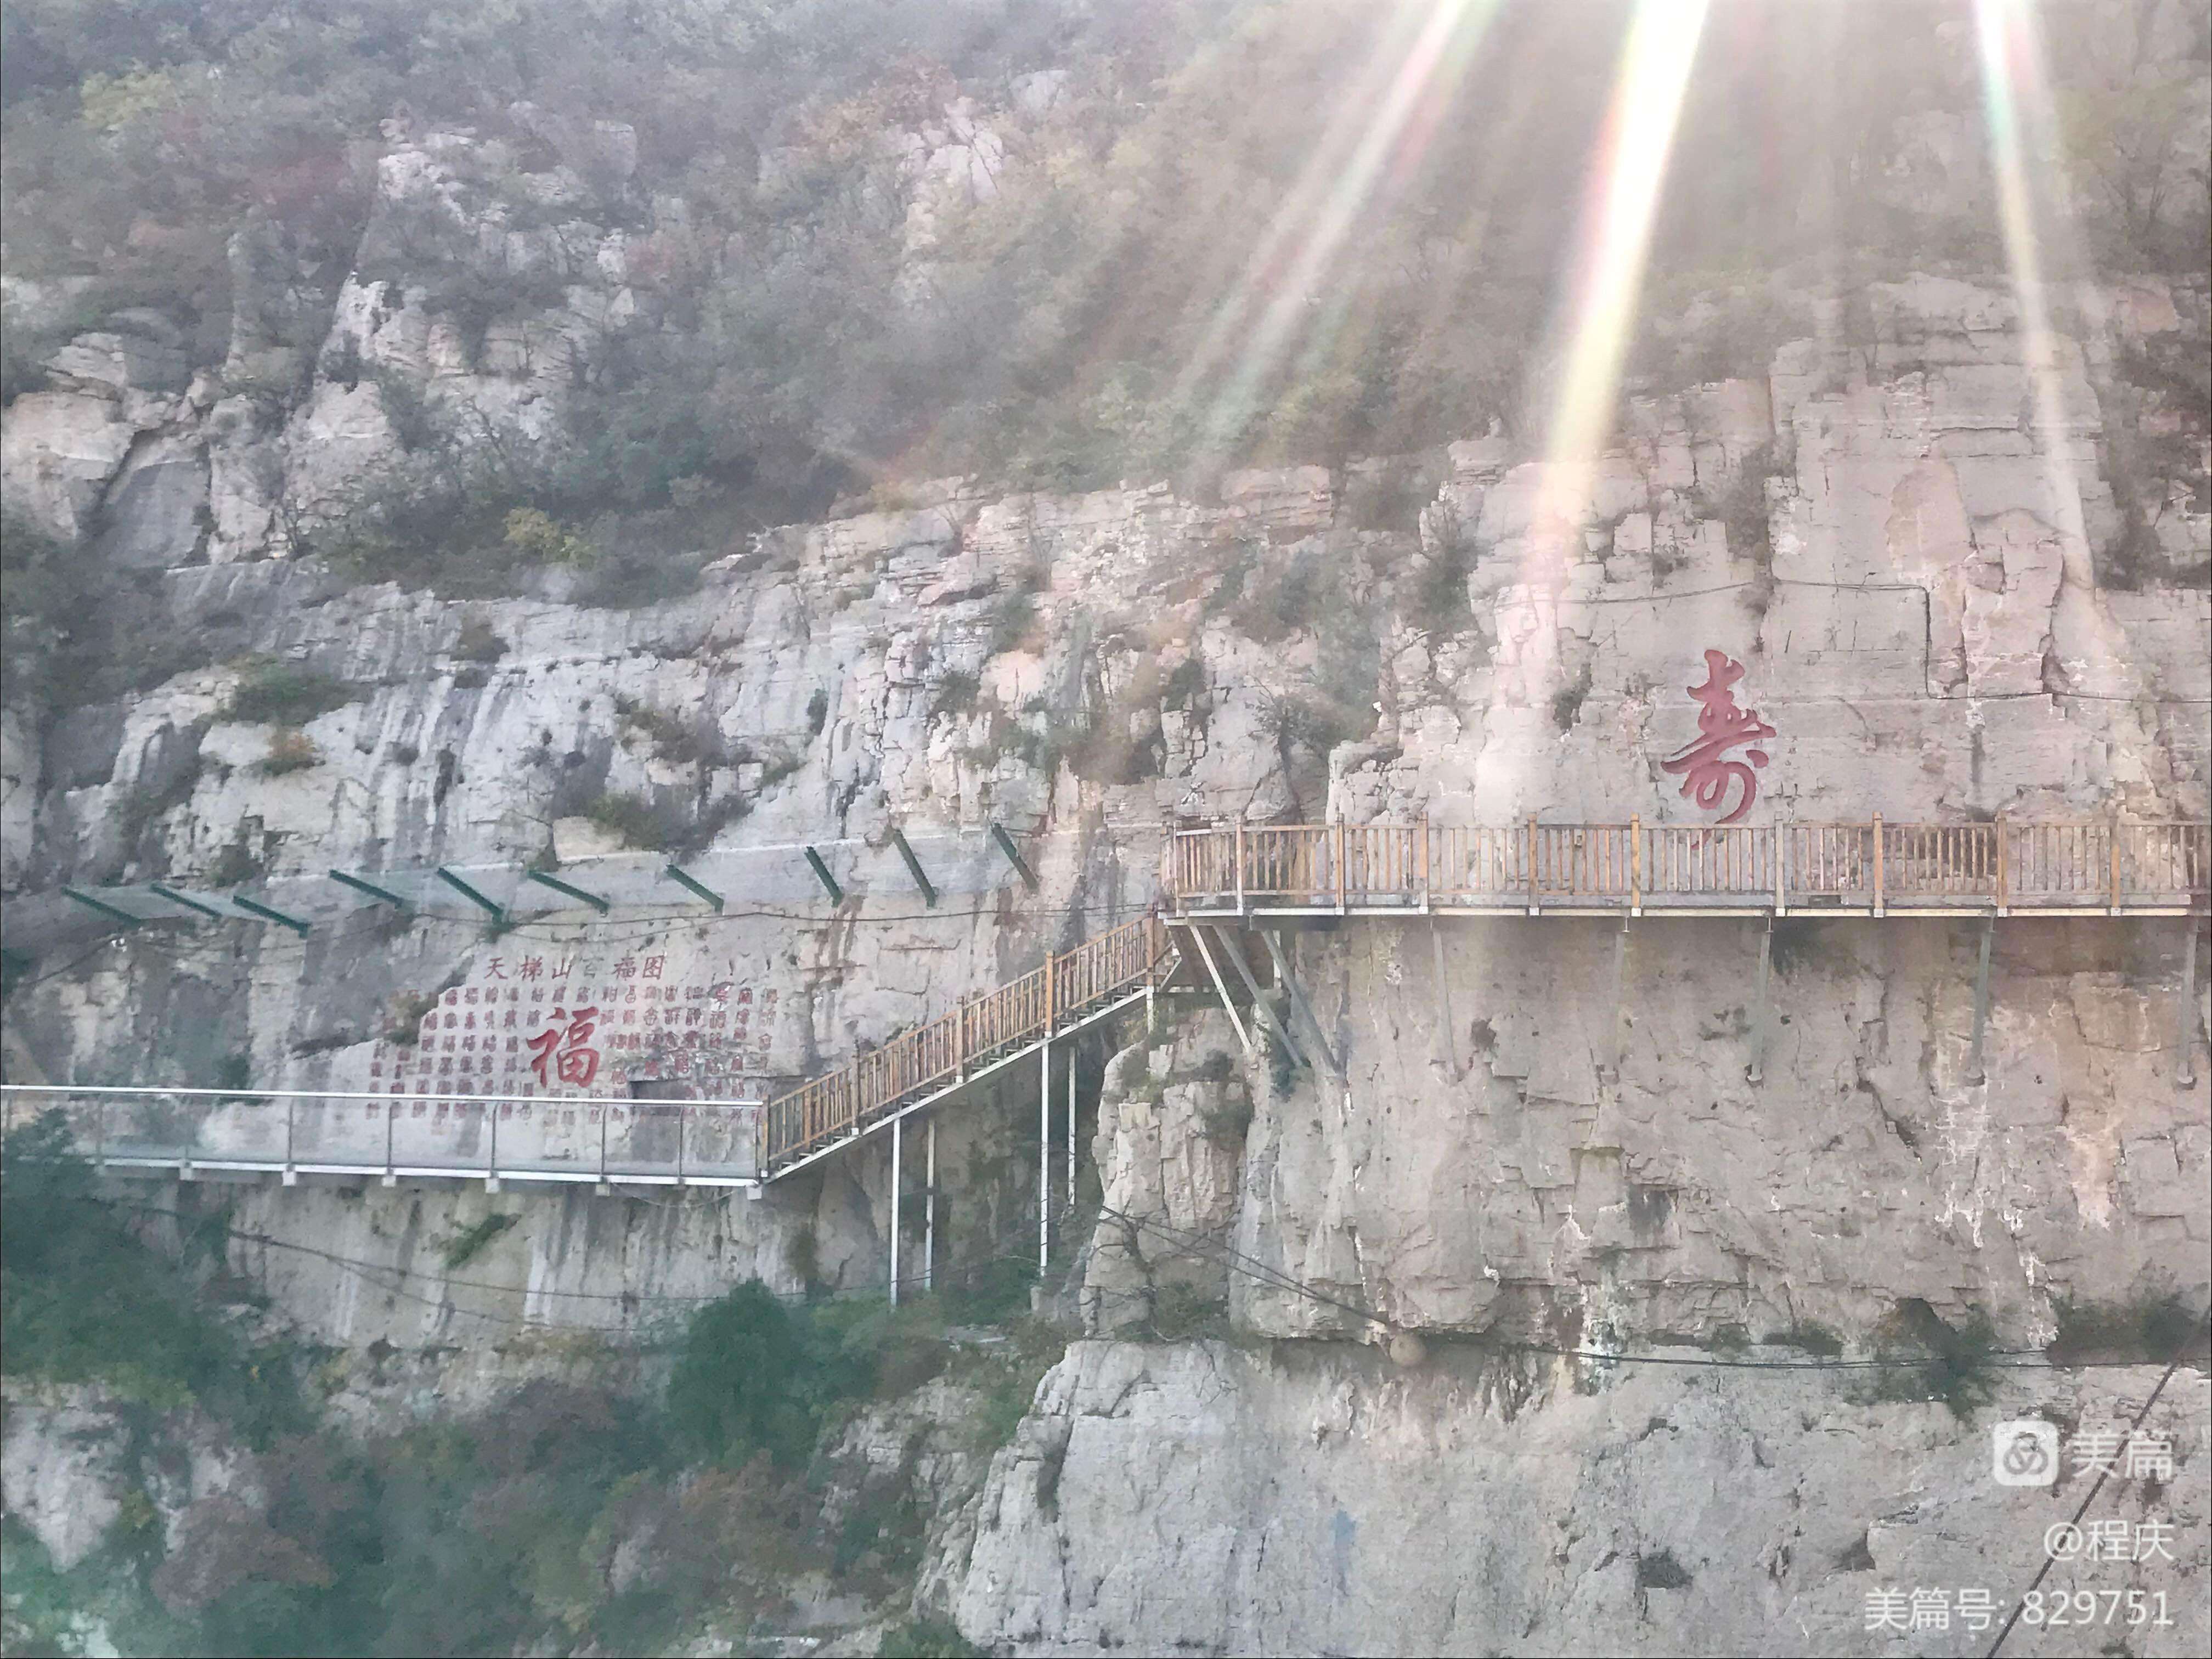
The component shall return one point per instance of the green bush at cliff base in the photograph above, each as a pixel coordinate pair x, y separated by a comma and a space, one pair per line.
1956, 1363
926, 1638
84, 1300
489, 1536
81, 1300
494, 1534
2149, 1325
755, 1375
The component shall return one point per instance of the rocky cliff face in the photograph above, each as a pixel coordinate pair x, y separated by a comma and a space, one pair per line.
1950, 604
1519, 1145
1308, 1499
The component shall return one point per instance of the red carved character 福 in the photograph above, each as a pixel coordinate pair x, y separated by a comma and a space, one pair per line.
567, 1050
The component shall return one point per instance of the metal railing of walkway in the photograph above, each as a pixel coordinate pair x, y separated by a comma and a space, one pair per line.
2093, 867
552, 1138
495, 1139
2082, 867
1069, 991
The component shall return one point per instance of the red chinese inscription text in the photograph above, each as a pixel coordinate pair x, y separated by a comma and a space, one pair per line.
1707, 773
567, 1049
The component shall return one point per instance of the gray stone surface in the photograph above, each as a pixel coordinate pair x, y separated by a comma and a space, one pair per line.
1211, 1499
1898, 528
1511, 1173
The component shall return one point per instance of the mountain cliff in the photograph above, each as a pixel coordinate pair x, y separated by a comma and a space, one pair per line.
538, 439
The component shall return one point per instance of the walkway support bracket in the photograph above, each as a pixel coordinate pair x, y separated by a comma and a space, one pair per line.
1444, 999
1005, 843
381, 895
1619, 993
469, 893
269, 912
1283, 972
569, 891
1976, 1071
1044, 1159
186, 901
1759, 1016
694, 887
2185, 1074
1220, 987
913, 868
111, 912
821, 874
928, 1204
1260, 1009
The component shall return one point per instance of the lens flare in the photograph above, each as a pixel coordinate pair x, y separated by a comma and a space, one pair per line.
1413, 69
1622, 197
1624, 182
2017, 102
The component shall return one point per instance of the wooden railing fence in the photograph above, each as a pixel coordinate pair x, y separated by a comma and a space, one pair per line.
2102, 863
1067, 988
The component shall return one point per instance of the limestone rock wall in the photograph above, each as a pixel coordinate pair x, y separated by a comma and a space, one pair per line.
1218, 1498
1908, 572
1908, 532
1521, 1149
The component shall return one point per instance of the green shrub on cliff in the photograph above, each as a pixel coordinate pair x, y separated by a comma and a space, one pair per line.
285, 694
82, 1299
754, 1375
926, 1638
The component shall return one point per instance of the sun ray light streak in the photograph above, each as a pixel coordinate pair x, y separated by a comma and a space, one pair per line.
2016, 98
1322, 211
1622, 200
1615, 235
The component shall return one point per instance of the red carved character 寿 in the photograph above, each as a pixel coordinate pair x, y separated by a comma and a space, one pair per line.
1720, 726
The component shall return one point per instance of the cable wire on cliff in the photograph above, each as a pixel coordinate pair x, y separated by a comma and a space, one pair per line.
1232, 1259
1236, 1261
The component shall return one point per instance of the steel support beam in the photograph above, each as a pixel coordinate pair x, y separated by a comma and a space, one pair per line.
1620, 987
821, 874
111, 912
1014, 857
1070, 1211
186, 901
468, 893
694, 887
1305, 1010
381, 895
1976, 1071
898, 1127
1044, 1162
1221, 988
1261, 1010
269, 912
569, 891
913, 868
1444, 999
928, 1204
1758, 1070
2185, 1073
